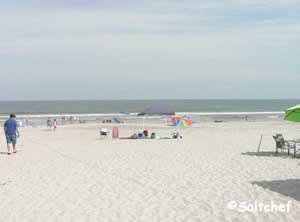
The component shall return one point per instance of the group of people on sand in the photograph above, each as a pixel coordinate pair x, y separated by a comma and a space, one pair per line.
51, 124
11, 132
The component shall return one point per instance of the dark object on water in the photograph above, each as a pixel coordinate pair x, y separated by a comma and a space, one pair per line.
125, 113
219, 121
157, 110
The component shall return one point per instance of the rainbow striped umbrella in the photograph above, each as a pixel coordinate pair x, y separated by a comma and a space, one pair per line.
182, 121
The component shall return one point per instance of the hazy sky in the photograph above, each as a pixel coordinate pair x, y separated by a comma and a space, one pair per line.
135, 49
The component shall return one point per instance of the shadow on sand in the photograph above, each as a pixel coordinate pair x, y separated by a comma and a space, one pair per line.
3, 153
289, 188
268, 154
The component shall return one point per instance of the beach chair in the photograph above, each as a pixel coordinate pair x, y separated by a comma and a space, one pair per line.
103, 132
176, 136
282, 144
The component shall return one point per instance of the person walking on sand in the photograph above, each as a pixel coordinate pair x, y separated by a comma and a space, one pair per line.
49, 125
54, 124
11, 132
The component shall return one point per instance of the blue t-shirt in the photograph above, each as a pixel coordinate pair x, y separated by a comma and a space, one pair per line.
10, 126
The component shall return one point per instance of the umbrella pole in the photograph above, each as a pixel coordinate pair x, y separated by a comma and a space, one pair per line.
260, 142
136, 124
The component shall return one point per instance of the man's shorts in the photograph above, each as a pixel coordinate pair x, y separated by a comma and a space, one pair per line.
11, 139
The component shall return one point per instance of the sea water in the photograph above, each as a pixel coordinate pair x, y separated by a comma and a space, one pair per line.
97, 110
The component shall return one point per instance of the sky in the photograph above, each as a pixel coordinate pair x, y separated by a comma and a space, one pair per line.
149, 49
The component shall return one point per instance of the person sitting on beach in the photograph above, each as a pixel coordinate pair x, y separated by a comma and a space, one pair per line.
11, 132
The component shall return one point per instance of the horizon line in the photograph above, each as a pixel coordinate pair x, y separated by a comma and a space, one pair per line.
152, 99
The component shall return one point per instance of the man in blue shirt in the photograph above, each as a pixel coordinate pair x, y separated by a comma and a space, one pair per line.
11, 132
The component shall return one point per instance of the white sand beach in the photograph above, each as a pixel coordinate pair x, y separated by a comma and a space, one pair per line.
72, 175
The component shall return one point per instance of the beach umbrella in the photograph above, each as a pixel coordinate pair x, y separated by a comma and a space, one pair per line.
182, 121
293, 114
157, 111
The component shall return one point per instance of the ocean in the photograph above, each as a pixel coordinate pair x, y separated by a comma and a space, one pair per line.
96, 110
133, 106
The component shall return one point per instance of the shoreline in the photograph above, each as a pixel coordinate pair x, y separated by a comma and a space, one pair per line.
132, 119
135, 114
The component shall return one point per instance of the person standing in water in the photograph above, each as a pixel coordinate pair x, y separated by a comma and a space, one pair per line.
11, 132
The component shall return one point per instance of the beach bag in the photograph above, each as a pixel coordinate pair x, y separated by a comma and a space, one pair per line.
153, 135
115, 133
146, 133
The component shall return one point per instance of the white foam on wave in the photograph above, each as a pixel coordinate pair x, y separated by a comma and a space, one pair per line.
70, 115
135, 114
231, 113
